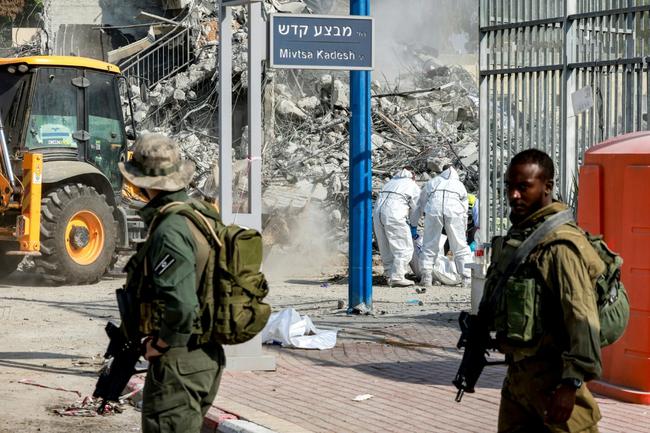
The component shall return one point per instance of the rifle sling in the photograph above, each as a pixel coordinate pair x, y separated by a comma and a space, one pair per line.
529, 245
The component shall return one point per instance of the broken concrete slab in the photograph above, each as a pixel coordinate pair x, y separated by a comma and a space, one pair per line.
289, 109
309, 103
340, 96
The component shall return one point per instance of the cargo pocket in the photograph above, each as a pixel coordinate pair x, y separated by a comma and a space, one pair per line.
520, 298
163, 389
198, 371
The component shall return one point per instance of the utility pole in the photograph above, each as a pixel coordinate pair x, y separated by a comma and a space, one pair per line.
360, 237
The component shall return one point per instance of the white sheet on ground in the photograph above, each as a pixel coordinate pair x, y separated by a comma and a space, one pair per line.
289, 329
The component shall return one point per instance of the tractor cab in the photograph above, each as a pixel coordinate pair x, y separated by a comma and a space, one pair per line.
67, 108
60, 186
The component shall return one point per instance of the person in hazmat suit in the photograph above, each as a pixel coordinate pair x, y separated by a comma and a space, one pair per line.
444, 202
397, 199
473, 233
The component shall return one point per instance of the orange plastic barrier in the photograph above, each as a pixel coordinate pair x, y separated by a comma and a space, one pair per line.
614, 200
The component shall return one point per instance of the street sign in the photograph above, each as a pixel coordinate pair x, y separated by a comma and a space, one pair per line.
321, 42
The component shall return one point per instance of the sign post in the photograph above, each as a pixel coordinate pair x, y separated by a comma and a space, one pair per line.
343, 43
360, 236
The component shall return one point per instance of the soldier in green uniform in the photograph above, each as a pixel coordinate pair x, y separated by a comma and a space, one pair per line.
183, 375
546, 322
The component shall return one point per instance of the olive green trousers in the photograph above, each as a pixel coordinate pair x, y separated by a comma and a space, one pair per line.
525, 396
179, 389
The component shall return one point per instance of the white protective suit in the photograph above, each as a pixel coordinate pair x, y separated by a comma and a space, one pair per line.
444, 202
397, 199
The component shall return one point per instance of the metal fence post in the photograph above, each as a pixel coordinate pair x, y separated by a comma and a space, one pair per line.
568, 133
629, 75
487, 227
225, 112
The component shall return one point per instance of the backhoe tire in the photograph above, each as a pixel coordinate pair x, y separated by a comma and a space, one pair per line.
8, 264
78, 235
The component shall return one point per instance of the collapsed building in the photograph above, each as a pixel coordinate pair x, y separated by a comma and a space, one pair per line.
426, 118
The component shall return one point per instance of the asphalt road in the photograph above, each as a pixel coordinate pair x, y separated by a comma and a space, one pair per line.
54, 336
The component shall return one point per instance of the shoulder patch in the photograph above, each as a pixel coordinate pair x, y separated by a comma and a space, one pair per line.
165, 263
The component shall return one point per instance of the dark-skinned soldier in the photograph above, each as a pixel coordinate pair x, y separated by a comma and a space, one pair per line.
546, 319
183, 375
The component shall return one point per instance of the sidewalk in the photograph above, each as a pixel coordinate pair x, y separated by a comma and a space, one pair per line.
406, 363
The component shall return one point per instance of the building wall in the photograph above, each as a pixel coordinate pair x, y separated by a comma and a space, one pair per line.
98, 12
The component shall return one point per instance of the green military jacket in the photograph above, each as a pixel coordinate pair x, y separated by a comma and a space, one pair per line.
163, 272
564, 268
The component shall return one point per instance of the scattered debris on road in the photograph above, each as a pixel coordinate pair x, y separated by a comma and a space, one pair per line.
363, 397
90, 407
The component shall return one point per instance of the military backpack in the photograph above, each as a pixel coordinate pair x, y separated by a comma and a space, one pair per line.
611, 296
231, 287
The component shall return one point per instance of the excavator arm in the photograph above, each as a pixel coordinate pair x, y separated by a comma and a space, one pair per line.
28, 222
7, 180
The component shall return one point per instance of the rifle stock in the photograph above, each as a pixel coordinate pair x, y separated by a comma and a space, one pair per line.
124, 352
475, 338
116, 375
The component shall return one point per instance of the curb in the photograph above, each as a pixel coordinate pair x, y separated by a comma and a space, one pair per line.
241, 426
215, 418
215, 421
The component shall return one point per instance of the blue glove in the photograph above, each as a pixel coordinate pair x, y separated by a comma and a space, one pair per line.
414, 233
472, 246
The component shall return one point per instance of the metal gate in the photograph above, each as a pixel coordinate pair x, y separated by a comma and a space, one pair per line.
560, 76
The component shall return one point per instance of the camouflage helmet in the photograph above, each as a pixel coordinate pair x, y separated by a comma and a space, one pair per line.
157, 164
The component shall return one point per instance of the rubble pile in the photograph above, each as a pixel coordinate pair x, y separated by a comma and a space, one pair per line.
433, 123
426, 118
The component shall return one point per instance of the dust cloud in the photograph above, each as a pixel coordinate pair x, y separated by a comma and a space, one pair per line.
310, 247
408, 32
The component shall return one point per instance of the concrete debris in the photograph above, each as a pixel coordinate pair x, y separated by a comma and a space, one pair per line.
89, 407
179, 95
428, 118
309, 103
289, 109
427, 129
340, 98
289, 6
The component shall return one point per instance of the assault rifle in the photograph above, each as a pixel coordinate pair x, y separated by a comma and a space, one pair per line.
475, 334
475, 338
124, 352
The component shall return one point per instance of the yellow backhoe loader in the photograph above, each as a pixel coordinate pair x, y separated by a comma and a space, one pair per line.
62, 135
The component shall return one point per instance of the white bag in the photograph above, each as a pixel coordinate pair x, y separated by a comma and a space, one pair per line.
444, 270
417, 256
289, 329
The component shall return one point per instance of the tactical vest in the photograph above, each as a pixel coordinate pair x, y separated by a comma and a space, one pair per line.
140, 283
522, 312
514, 310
